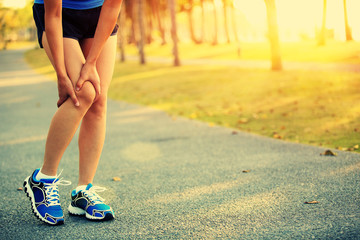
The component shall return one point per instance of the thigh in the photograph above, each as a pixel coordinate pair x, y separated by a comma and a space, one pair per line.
74, 57
106, 61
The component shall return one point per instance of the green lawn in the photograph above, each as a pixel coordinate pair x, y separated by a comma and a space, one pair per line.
306, 51
318, 108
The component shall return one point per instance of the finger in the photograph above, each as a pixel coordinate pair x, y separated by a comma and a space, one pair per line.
74, 98
60, 101
97, 90
79, 84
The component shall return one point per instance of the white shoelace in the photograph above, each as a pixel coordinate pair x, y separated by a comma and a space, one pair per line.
52, 190
93, 196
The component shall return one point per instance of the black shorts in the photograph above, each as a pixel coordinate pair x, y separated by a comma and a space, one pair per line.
77, 24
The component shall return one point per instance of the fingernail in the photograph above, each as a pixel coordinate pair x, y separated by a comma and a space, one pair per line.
77, 104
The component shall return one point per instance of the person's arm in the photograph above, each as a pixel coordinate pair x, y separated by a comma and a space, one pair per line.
107, 20
53, 31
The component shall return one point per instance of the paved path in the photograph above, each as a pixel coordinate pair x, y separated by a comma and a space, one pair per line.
180, 178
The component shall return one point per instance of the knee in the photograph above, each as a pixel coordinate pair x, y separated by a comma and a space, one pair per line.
98, 108
86, 95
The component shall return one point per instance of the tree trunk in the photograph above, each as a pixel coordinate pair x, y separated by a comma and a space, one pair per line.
233, 17
191, 23
276, 63
202, 22
121, 39
174, 32
131, 13
215, 39
156, 11
141, 30
347, 27
226, 21
149, 23
322, 36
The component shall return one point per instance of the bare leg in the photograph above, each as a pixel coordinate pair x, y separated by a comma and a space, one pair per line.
67, 118
93, 127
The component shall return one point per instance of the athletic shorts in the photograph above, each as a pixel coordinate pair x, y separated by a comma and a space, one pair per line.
77, 24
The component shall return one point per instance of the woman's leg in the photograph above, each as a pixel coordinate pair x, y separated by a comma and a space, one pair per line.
93, 126
67, 118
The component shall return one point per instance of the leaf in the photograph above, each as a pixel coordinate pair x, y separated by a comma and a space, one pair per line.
243, 121
193, 116
276, 135
116, 179
356, 146
234, 132
341, 148
246, 171
211, 124
312, 202
328, 153
20, 189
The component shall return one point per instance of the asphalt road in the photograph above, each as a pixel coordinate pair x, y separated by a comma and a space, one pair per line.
180, 179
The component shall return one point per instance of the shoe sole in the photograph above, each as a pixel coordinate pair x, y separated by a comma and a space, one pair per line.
30, 195
79, 212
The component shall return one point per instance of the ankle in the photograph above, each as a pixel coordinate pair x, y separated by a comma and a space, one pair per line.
40, 175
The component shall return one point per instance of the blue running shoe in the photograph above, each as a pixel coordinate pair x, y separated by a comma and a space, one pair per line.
88, 202
44, 197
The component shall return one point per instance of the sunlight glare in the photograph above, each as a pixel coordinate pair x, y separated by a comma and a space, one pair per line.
14, 3
303, 17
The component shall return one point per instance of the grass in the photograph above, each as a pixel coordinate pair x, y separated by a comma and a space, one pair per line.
307, 51
17, 45
318, 108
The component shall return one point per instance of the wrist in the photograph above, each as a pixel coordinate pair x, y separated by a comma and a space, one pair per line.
91, 62
61, 76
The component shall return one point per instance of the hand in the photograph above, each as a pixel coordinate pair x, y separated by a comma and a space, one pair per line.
66, 90
89, 73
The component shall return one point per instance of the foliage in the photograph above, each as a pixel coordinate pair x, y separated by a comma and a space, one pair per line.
14, 20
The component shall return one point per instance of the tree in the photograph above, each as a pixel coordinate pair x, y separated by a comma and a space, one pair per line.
322, 36
233, 17
155, 6
276, 63
189, 9
174, 37
121, 39
202, 21
347, 27
226, 20
215, 39
141, 41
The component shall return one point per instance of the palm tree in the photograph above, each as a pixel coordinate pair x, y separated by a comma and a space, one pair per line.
155, 6
276, 63
174, 32
202, 21
233, 17
141, 42
322, 35
347, 27
226, 20
121, 39
191, 22
215, 40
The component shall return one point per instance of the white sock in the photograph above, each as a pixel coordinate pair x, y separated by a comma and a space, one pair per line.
80, 188
40, 176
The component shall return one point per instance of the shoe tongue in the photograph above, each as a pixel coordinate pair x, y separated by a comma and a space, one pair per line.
49, 180
89, 186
